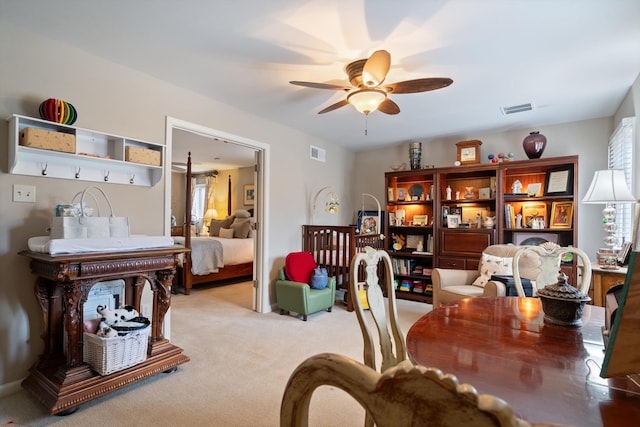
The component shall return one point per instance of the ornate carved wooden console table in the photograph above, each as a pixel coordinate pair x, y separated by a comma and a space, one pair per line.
60, 379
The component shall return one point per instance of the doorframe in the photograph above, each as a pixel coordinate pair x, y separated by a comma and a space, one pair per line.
260, 293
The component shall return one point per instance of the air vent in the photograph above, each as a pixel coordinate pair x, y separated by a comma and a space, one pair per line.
517, 108
318, 154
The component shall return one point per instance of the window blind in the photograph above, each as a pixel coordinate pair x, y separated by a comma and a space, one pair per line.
621, 157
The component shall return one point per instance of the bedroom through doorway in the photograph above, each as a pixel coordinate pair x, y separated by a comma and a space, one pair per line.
237, 166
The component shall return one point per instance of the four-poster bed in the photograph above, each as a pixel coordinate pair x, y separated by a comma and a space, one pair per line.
212, 258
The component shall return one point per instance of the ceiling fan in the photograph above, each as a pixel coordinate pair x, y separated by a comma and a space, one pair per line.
367, 92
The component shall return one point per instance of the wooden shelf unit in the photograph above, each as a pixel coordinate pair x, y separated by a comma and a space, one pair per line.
98, 156
482, 190
411, 192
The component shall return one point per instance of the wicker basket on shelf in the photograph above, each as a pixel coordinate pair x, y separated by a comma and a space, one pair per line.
108, 355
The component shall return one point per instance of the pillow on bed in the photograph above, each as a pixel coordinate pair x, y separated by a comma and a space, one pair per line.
241, 213
226, 233
298, 266
217, 224
241, 229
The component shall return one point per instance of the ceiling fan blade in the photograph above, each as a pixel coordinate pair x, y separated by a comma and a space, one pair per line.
320, 85
334, 106
388, 107
419, 85
376, 68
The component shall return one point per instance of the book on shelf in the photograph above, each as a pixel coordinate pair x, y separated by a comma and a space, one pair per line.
509, 216
403, 266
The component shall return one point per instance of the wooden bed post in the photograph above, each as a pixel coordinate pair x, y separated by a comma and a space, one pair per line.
233, 271
229, 198
186, 276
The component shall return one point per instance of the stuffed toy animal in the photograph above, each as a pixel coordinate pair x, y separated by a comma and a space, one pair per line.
119, 321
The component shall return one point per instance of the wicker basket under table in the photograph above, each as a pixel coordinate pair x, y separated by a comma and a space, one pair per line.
108, 355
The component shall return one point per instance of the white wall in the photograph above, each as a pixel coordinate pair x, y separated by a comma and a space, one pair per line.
588, 139
115, 99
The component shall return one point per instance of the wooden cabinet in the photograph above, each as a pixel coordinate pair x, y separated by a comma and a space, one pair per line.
446, 210
410, 240
462, 248
91, 155
60, 379
466, 198
602, 280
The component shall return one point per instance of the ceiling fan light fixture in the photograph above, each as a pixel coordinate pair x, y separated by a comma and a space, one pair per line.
366, 100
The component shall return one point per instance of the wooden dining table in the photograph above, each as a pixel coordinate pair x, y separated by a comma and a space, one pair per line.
547, 373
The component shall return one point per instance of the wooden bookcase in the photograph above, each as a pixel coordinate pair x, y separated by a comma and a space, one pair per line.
410, 210
477, 192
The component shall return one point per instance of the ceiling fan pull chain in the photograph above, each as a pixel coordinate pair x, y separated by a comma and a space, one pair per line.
366, 124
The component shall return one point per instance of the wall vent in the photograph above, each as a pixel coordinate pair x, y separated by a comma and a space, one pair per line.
517, 108
318, 154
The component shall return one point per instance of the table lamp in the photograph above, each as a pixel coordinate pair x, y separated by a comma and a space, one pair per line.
608, 187
210, 214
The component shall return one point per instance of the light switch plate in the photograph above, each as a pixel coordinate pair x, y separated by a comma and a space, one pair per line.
24, 193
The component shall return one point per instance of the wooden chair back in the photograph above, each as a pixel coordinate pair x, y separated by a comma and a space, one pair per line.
404, 395
550, 258
393, 350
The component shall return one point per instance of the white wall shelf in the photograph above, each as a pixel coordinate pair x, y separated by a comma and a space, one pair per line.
98, 157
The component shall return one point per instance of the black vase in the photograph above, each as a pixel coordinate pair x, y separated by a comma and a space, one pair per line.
534, 145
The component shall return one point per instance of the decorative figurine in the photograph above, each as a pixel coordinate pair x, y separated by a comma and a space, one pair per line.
468, 192
448, 192
516, 187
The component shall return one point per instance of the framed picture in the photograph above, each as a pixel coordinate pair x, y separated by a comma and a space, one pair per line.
249, 194
559, 182
625, 251
453, 221
416, 191
533, 211
484, 193
413, 241
392, 219
561, 215
533, 239
370, 223
534, 189
420, 219
402, 194
456, 210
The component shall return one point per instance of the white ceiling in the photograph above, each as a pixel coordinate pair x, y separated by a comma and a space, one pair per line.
573, 59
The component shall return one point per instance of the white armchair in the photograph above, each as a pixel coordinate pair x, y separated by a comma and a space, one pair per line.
450, 285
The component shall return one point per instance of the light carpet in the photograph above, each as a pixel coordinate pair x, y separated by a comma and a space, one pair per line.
240, 363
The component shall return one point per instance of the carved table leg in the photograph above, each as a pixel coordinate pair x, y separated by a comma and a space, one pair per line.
161, 288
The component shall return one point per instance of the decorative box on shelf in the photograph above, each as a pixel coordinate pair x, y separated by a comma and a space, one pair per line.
142, 155
48, 140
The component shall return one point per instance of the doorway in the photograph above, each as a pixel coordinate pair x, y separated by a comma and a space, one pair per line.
261, 160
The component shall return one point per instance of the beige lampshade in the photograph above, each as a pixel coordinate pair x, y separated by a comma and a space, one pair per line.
608, 186
211, 213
